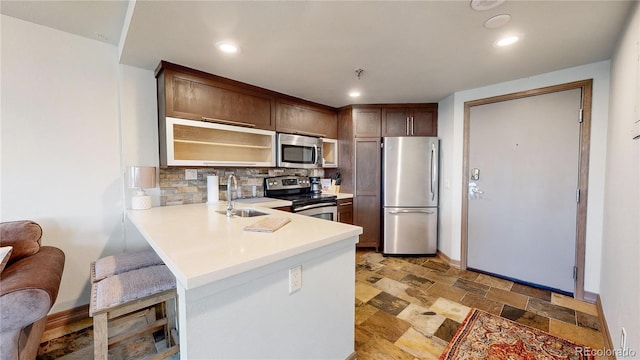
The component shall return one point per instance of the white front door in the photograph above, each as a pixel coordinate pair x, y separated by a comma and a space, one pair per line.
522, 209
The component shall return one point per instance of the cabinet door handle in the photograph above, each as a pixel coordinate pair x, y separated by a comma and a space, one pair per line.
347, 203
310, 134
229, 122
412, 125
407, 132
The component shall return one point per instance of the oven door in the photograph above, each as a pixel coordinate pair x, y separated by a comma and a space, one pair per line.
295, 151
321, 211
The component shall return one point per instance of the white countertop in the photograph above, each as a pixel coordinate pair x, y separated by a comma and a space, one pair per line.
201, 246
344, 196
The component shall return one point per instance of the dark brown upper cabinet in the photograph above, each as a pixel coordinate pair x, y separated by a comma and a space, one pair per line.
366, 121
194, 95
306, 119
410, 120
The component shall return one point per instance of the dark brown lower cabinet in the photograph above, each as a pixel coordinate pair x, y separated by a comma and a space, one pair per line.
283, 208
345, 211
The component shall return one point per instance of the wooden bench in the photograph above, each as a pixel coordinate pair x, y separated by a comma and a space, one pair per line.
125, 284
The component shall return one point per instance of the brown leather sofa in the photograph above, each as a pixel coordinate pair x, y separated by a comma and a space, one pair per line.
29, 286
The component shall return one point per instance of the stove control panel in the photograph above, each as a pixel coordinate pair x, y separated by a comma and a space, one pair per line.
287, 182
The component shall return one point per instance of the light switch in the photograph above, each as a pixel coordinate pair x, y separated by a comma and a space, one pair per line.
635, 132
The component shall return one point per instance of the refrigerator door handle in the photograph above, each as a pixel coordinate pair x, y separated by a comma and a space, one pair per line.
410, 212
434, 171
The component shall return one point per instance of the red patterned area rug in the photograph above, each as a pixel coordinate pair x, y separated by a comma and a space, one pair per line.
486, 336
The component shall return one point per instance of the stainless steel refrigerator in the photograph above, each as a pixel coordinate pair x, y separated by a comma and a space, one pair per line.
410, 195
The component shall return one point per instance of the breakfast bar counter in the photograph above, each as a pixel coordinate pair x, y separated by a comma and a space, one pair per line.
233, 284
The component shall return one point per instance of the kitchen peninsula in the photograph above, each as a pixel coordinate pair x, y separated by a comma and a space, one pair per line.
233, 285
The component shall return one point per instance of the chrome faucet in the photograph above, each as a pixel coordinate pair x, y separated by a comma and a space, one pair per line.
229, 200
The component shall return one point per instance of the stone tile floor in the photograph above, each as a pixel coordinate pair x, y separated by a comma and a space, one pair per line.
406, 308
411, 307
75, 341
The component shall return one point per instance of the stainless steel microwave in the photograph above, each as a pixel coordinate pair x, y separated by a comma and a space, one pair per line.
297, 151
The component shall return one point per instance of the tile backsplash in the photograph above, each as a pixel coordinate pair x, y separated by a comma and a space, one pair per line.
175, 189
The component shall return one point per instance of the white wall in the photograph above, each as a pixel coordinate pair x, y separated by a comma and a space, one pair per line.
139, 128
447, 165
620, 279
61, 146
451, 110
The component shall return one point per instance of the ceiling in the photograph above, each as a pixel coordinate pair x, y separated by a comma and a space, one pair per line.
410, 51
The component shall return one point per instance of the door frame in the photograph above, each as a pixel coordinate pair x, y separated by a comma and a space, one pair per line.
583, 169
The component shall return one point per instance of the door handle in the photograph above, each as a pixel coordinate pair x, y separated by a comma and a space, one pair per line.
434, 171
316, 159
474, 192
410, 212
314, 206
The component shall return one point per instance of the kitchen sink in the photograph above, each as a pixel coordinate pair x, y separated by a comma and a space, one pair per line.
243, 212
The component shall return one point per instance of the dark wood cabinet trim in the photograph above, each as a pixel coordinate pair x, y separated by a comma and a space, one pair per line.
226, 83
431, 106
162, 116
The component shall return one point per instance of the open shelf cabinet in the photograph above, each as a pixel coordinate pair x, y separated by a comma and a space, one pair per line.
329, 153
195, 143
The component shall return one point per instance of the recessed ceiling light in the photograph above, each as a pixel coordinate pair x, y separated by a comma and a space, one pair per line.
227, 47
354, 93
497, 21
482, 5
506, 41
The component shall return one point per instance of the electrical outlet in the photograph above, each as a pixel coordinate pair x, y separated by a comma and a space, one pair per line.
295, 279
191, 174
623, 339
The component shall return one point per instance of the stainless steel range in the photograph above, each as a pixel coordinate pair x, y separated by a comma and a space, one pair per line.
297, 189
